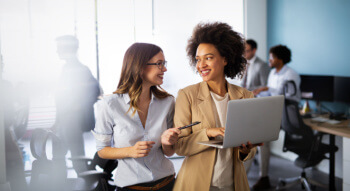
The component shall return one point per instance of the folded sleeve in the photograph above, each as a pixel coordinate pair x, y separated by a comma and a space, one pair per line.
103, 131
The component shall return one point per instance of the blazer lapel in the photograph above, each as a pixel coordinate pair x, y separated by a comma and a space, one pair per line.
234, 92
205, 101
205, 105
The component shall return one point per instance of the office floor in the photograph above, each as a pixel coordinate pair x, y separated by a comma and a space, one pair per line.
282, 168
279, 168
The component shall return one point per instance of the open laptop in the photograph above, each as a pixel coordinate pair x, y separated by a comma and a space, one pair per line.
256, 120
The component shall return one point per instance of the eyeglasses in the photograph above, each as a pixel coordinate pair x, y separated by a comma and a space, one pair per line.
160, 64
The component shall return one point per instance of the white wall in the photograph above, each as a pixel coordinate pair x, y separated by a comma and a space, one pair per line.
255, 25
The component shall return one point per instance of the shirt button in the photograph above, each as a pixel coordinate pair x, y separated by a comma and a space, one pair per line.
145, 137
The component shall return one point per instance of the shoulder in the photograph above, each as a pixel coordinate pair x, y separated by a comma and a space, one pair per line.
259, 61
291, 71
190, 92
261, 64
273, 71
191, 89
237, 88
170, 100
109, 100
240, 91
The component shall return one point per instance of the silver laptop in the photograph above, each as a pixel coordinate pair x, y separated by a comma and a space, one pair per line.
256, 120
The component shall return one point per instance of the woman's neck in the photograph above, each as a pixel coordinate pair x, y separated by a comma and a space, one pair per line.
218, 87
279, 67
145, 94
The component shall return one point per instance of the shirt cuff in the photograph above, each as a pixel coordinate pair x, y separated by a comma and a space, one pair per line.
102, 140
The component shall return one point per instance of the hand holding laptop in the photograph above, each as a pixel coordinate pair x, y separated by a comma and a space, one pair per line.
214, 132
245, 149
248, 120
220, 131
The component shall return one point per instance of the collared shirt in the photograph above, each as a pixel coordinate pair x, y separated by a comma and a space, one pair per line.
115, 127
252, 60
249, 72
276, 82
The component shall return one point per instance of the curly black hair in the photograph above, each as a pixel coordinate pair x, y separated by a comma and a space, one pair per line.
281, 52
228, 42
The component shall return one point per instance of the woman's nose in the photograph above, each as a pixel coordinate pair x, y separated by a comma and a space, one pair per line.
201, 64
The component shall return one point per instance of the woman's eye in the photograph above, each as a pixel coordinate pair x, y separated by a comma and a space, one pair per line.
209, 58
197, 60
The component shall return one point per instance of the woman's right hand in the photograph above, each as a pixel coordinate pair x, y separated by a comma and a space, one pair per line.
141, 149
214, 132
257, 91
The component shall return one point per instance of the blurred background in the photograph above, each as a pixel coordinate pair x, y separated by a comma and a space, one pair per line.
315, 31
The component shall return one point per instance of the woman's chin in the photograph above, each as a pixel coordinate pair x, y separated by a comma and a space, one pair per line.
205, 79
159, 83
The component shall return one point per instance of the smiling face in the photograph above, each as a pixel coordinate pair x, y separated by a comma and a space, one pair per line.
210, 64
151, 74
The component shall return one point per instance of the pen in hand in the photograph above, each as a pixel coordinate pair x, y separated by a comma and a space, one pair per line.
190, 125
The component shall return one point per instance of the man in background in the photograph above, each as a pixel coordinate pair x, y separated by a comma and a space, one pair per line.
280, 56
254, 77
76, 93
257, 70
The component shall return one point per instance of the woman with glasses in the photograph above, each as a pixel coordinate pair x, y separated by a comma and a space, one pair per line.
134, 125
216, 51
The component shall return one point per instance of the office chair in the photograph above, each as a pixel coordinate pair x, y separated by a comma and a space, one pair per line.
51, 174
301, 140
21, 110
14, 162
89, 164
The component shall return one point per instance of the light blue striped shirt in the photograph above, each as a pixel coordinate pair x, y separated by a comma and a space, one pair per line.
116, 128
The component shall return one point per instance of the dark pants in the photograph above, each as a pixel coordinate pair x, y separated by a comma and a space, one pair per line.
168, 187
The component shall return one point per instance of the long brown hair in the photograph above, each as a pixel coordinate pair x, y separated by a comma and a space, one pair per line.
130, 82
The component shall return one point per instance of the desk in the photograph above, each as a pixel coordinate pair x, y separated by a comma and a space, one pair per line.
342, 129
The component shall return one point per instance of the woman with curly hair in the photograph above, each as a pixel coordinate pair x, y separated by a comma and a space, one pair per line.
216, 51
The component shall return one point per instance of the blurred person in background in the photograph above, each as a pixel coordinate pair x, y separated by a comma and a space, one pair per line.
280, 56
75, 95
255, 76
257, 71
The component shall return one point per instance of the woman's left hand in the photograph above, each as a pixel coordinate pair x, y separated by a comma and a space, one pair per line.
170, 136
245, 148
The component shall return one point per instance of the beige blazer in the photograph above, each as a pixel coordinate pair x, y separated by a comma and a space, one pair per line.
193, 103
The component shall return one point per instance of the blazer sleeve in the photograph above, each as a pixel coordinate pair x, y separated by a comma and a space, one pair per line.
187, 142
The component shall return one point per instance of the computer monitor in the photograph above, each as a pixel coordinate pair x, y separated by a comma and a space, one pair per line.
342, 89
318, 88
